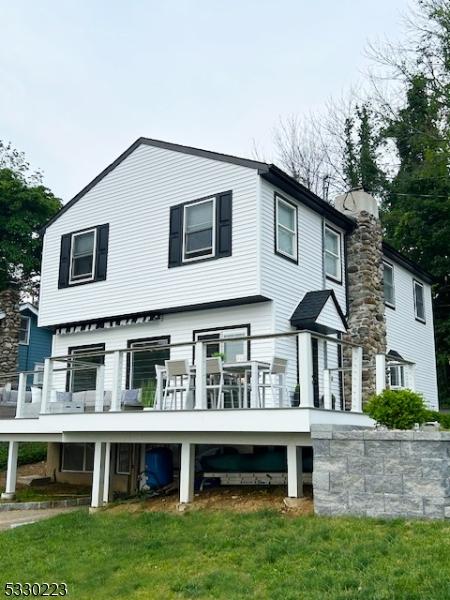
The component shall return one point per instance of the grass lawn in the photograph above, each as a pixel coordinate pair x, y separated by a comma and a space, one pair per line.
203, 554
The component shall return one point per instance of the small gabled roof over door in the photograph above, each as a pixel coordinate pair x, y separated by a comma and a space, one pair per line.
320, 311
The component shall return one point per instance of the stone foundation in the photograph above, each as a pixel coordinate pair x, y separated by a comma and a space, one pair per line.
9, 330
375, 473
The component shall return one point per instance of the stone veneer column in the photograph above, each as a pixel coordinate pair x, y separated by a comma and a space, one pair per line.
367, 326
9, 330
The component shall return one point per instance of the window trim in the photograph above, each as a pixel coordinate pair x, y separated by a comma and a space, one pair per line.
28, 319
416, 316
391, 266
129, 371
69, 377
84, 470
212, 254
245, 326
279, 198
84, 279
117, 458
338, 233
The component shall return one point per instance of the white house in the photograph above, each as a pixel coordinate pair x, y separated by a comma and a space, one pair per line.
171, 246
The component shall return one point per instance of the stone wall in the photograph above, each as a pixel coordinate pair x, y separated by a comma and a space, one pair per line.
376, 473
9, 330
367, 326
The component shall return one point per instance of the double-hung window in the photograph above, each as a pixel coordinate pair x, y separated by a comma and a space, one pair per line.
82, 263
388, 284
123, 459
396, 377
332, 253
199, 229
233, 350
24, 330
286, 228
419, 302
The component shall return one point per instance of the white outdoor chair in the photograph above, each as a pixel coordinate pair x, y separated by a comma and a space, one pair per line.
214, 381
178, 384
274, 378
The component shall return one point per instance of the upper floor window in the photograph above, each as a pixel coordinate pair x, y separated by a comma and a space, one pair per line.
199, 229
82, 265
285, 228
388, 284
419, 302
332, 254
84, 256
24, 330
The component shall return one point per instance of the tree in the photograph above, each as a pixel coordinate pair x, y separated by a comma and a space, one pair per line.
25, 209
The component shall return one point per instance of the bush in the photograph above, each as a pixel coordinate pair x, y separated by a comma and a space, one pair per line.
397, 409
442, 418
29, 452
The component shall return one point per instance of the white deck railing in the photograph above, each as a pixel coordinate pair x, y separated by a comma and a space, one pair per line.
319, 378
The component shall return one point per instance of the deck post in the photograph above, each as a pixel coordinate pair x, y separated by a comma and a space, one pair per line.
327, 401
47, 385
380, 373
305, 369
187, 472
11, 473
200, 376
99, 388
295, 471
116, 393
98, 475
21, 395
107, 495
357, 356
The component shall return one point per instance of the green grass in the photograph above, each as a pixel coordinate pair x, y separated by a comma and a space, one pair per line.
30, 452
200, 554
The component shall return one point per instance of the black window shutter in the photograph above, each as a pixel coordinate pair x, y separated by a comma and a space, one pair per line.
64, 261
223, 228
102, 252
175, 236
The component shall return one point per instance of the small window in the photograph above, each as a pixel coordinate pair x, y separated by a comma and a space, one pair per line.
388, 284
123, 459
419, 304
233, 350
24, 330
286, 228
82, 264
396, 377
78, 458
199, 229
332, 254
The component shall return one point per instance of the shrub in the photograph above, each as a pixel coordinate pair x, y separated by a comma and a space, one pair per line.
397, 409
442, 418
29, 452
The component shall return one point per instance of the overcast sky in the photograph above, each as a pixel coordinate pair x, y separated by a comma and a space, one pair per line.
81, 80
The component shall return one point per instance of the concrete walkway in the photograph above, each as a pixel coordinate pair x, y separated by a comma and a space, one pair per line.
15, 518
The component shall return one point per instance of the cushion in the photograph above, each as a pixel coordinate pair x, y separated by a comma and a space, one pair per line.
36, 395
131, 397
63, 396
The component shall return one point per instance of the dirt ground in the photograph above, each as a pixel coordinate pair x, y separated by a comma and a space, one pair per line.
35, 469
233, 498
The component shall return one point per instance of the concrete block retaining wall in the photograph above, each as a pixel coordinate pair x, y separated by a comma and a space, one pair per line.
374, 473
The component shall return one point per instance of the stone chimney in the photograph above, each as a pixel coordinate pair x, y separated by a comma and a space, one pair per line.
9, 330
366, 319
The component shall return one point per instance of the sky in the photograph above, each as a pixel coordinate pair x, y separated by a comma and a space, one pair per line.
81, 80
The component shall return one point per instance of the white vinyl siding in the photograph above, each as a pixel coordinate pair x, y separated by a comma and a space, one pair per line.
413, 339
332, 253
388, 284
135, 198
286, 228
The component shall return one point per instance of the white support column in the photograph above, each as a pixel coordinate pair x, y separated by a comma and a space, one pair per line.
305, 370
187, 472
295, 471
200, 376
21, 395
47, 385
98, 475
107, 488
380, 373
357, 357
327, 389
11, 473
116, 393
99, 388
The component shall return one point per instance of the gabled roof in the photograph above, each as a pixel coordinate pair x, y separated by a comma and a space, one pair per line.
407, 263
308, 312
268, 171
28, 306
